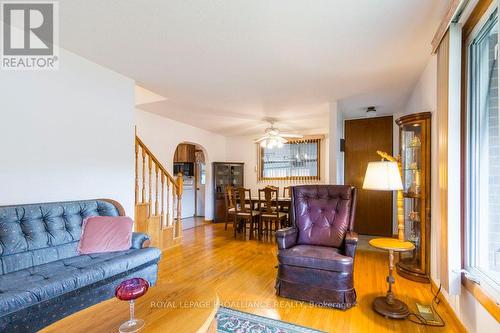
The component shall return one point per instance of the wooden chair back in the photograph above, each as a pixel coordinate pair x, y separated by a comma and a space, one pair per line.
241, 197
268, 201
287, 192
229, 197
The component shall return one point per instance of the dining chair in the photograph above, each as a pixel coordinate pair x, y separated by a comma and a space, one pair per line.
287, 192
271, 187
244, 211
285, 207
269, 212
230, 204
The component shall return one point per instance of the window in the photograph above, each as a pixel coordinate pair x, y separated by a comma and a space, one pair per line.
203, 174
298, 160
482, 231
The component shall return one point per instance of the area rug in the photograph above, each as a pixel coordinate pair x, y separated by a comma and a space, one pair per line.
233, 321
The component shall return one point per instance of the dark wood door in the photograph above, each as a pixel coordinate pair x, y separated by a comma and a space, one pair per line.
363, 137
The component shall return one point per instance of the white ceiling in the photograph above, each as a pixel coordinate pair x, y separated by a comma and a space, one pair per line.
224, 65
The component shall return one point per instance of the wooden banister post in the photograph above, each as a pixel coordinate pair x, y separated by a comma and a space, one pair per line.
143, 176
150, 187
136, 173
179, 187
162, 210
156, 189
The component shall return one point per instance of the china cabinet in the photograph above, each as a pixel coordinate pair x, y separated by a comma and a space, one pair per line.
415, 154
225, 174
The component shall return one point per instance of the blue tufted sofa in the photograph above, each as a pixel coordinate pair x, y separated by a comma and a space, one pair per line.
42, 277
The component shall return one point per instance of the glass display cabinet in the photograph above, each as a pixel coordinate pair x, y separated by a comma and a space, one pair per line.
225, 174
415, 154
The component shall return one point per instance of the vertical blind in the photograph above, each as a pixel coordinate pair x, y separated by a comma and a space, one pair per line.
295, 160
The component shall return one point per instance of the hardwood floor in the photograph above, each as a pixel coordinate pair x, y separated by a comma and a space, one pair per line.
243, 274
193, 222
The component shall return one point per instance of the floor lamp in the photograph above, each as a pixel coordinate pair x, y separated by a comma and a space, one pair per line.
386, 176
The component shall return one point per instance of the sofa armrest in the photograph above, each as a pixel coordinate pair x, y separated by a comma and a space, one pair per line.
140, 240
351, 241
286, 238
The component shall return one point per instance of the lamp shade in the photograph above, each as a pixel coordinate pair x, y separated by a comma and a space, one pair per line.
382, 176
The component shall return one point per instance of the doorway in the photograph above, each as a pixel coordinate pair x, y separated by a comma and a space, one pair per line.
189, 160
363, 137
200, 180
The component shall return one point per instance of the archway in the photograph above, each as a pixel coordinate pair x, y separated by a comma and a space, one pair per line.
191, 160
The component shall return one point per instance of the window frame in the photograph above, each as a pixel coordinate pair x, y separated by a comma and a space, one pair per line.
478, 24
309, 139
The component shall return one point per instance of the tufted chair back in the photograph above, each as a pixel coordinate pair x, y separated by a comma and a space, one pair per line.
36, 234
323, 213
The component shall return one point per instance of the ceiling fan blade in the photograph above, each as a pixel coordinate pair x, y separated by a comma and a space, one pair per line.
285, 135
260, 139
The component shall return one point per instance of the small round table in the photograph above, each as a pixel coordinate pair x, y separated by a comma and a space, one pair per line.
388, 305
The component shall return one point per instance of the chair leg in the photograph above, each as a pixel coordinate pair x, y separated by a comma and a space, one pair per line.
251, 228
259, 227
235, 225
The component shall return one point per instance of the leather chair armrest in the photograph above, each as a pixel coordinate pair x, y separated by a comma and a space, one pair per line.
140, 240
351, 241
286, 238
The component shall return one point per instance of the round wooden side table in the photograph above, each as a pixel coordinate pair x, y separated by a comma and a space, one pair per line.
388, 305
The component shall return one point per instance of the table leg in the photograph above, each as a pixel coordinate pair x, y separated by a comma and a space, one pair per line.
389, 306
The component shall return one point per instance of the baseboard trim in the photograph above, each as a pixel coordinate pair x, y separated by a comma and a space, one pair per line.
448, 307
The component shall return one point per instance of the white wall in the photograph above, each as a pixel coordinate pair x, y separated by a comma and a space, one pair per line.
468, 309
162, 135
336, 157
66, 134
243, 149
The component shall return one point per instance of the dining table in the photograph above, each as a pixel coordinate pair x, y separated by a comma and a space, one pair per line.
283, 202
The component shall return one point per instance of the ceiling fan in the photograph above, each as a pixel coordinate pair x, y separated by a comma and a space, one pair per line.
273, 138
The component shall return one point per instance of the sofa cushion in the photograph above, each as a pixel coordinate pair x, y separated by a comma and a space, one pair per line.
105, 234
316, 257
26, 287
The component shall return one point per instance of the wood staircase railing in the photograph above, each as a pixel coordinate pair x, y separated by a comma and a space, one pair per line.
158, 198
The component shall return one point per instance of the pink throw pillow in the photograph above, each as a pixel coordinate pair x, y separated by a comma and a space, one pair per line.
105, 234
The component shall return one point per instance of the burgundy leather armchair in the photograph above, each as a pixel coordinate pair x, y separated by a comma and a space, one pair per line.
316, 254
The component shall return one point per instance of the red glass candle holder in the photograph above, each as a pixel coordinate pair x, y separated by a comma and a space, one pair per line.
129, 290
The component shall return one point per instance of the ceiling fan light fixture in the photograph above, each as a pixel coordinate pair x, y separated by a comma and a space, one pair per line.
273, 138
371, 112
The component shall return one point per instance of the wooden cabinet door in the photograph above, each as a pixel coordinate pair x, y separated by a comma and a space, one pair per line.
191, 153
363, 137
185, 153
